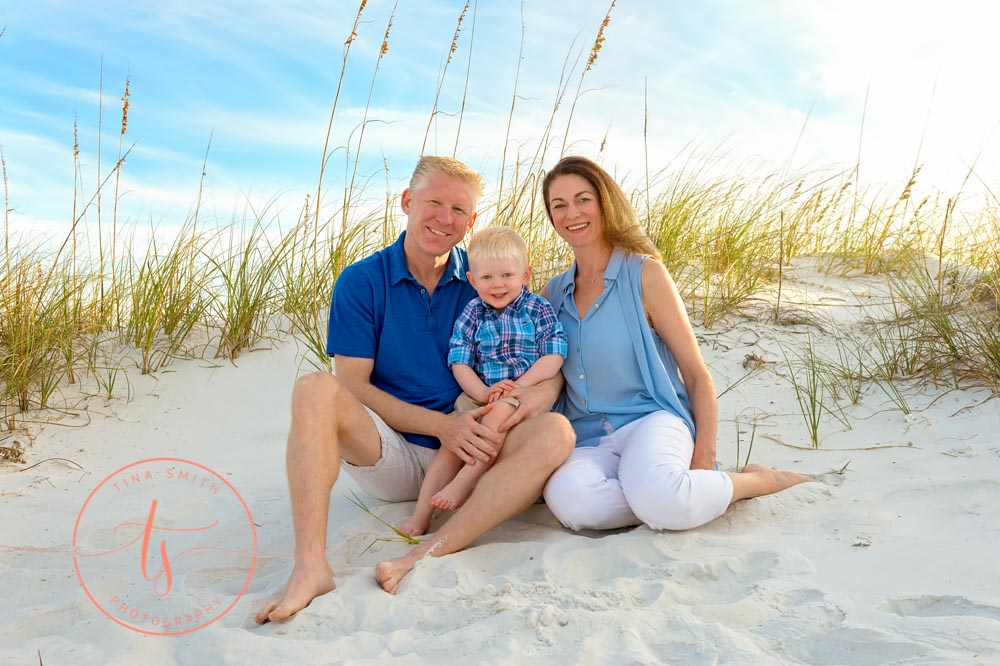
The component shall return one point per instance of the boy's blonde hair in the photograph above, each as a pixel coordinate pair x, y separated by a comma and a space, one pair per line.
446, 166
498, 243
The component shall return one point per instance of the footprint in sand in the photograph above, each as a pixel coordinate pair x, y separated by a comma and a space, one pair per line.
939, 606
964, 630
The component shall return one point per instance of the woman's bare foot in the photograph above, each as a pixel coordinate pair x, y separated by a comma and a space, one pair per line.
454, 494
776, 480
307, 582
416, 526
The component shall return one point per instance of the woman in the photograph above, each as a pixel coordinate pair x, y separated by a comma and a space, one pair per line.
645, 449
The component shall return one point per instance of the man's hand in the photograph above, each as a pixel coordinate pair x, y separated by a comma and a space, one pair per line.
500, 390
703, 458
468, 439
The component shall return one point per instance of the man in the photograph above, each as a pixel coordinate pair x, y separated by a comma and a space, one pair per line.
390, 403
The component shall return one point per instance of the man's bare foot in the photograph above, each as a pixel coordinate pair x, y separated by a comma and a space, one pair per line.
453, 495
416, 526
305, 584
777, 479
388, 574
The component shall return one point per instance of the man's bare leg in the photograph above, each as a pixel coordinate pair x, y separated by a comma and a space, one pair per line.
327, 423
442, 469
454, 494
758, 480
532, 451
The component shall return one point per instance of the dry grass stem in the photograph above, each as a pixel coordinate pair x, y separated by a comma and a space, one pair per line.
736, 237
453, 47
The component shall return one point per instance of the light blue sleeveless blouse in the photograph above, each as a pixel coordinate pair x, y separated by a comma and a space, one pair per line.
617, 369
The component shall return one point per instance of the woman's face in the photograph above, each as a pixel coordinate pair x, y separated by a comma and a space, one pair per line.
575, 210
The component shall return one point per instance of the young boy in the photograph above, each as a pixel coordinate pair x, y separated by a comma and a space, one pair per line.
506, 338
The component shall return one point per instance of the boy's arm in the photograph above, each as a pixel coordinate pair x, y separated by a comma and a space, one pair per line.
470, 382
544, 368
551, 341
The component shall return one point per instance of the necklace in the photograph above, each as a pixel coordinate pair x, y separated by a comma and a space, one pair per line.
598, 274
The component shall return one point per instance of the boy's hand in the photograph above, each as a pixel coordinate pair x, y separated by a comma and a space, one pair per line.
501, 390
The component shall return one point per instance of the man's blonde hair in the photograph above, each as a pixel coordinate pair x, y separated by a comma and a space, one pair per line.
498, 243
446, 166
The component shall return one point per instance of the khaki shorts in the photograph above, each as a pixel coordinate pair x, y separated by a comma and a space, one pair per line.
465, 403
397, 475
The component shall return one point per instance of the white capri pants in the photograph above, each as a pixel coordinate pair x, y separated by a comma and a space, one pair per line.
639, 473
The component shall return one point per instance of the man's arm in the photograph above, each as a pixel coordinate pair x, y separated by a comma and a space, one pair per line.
458, 433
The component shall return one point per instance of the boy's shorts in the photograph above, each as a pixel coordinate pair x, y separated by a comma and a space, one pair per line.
465, 403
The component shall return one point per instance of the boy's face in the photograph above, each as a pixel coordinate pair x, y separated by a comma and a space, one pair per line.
498, 281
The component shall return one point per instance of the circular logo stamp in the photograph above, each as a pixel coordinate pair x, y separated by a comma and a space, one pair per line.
164, 546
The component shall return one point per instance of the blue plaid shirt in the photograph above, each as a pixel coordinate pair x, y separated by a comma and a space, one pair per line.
504, 344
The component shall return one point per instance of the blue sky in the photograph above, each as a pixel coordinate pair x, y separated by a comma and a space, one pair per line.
736, 79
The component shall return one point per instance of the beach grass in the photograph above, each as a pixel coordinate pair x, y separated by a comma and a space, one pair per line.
728, 234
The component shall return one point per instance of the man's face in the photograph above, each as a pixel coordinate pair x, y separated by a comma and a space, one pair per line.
438, 214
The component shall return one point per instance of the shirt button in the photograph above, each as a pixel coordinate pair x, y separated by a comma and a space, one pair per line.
597, 305
581, 376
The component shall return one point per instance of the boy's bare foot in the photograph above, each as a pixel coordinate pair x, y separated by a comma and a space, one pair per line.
307, 582
415, 526
778, 480
454, 494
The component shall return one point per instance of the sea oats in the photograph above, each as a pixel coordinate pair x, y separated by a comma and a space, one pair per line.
599, 41
125, 105
458, 30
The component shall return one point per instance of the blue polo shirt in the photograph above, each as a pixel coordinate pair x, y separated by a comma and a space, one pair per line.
380, 311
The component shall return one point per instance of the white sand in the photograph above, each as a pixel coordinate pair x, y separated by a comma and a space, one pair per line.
893, 561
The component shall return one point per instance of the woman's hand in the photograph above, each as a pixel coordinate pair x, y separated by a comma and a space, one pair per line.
535, 400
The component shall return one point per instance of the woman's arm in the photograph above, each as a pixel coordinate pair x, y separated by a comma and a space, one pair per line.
665, 311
